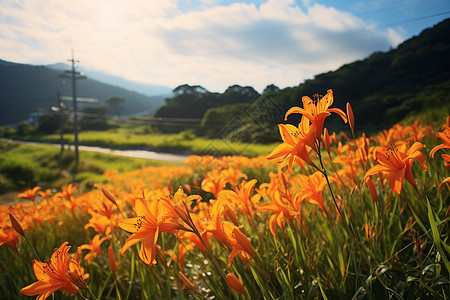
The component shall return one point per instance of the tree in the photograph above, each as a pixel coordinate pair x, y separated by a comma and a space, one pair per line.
115, 104
93, 118
271, 88
48, 123
189, 89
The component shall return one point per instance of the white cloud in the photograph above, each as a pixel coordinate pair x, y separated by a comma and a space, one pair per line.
214, 46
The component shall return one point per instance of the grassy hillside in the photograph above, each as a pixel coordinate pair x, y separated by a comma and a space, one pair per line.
24, 166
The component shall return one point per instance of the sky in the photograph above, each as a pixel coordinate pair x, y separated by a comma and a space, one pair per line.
212, 43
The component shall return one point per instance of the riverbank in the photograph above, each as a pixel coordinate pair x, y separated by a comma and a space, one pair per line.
180, 144
26, 165
145, 154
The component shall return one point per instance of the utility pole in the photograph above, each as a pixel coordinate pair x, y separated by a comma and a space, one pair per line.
72, 74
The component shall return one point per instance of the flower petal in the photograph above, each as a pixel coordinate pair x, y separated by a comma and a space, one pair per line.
396, 180
339, 112
298, 110
289, 133
42, 287
280, 151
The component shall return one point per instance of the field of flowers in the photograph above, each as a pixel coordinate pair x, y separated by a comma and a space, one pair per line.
324, 216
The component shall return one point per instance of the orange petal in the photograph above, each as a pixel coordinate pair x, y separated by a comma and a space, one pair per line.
289, 133
298, 110
377, 169
396, 180
445, 181
133, 239
433, 151
339, 112
130, 225
273, 224
42, 287
280, 151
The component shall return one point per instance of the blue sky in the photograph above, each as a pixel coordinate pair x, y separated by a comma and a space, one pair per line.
213, 43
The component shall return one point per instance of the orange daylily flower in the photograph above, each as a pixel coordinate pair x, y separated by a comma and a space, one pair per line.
311, 188
214, 182
282, 207
93, 247
241, 196
445, 137
29, 193
295, 142
150, 221
45, 194
100, 223
396, 163
316, 111
9, 236
52, 274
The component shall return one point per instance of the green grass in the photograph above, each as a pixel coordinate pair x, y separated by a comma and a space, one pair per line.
24, 166
123, 138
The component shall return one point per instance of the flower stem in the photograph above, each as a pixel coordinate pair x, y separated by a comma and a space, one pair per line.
34, 250
350, 231
213, 258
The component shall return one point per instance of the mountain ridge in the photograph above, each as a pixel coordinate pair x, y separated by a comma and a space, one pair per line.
141, 88
27, 88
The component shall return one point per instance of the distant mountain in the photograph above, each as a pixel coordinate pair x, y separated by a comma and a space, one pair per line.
26, 88
145, 89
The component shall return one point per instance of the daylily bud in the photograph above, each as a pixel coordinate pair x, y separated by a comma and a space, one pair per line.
350, 116
244, 242
109, 196
372, 189
160, 254
183, 215
16, 225
169, 187
327, 140
186, 281
112, 259
76, 279
234, 283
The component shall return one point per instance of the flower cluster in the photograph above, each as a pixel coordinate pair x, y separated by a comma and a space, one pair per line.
262, 231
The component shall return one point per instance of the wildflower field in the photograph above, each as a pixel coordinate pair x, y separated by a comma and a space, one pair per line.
323, 216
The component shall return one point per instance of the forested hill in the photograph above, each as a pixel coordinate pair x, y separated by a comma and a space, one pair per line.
383, 89
387, 87
26, 88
